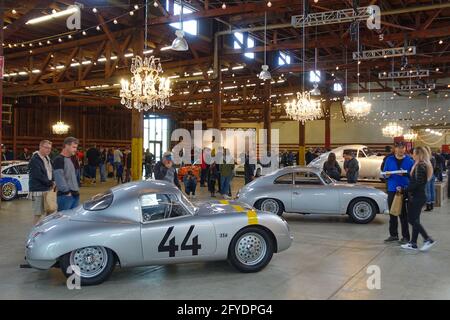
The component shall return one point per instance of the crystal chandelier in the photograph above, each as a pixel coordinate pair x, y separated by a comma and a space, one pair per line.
304, 108
147, 89
392, 130
410, 135
358, 107
60, 127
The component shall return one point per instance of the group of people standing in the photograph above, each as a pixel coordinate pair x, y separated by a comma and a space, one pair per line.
351, 167
412, 184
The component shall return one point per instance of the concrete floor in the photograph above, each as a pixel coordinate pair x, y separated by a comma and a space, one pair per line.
328, 260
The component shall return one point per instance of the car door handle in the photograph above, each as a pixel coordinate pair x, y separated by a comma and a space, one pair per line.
296, 192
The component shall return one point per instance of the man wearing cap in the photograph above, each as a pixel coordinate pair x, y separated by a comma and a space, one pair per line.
164, 170
398, 161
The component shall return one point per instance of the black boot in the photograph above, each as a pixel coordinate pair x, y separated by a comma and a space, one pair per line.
431, 206
428, 207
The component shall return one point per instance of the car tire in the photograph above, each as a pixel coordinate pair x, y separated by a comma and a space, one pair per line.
362, 211
106, 261
9, 191
270, 205
246, 260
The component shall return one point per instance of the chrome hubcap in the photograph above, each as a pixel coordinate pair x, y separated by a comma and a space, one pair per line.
8, 190
270, 206
251, 249
91, 260
362, 210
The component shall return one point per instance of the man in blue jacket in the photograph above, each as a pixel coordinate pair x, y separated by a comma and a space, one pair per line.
398, 161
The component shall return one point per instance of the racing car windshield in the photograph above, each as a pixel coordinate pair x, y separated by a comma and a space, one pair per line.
188, 204
99, 202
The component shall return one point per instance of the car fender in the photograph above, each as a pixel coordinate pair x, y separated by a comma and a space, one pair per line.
55, 240
16, 182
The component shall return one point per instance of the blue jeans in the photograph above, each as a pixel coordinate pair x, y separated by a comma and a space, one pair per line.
190, 187
67, 202
225, 184
102, 172
430, 190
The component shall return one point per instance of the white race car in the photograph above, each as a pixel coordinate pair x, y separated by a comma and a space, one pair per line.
369, 163
14, 179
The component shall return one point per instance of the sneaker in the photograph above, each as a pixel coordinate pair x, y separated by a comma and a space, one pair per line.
404, 241
427, 245
193, 196
409, 246
391, 239
226, 197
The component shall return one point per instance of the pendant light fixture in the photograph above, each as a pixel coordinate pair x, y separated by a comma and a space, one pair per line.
60, 127
265, 74
304, 108
180, 43
358, 107
315, 91
147, 89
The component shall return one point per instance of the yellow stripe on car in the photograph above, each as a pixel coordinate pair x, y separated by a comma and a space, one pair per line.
252, 217
224, 201
237, 208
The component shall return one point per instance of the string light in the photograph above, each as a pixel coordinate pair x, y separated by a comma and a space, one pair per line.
155, 4
94, 10
224, 6
115, 21
131, 13
136, 7
13, 11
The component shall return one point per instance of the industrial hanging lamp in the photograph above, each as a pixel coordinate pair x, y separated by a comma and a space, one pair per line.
265, 73
60, 127
180, 43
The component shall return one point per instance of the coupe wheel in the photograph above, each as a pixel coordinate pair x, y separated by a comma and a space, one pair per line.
95, 263
9, 191
270, 205
250, 250
362, 211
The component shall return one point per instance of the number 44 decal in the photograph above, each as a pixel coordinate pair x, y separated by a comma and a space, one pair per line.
173, 247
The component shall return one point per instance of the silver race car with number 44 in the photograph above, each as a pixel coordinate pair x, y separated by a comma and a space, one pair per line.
152, 223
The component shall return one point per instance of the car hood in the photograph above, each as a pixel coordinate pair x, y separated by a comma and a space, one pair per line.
222, 206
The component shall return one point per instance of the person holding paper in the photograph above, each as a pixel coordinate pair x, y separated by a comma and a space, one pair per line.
399, 161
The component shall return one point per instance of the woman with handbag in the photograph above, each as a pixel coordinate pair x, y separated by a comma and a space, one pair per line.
40, 179
421, 172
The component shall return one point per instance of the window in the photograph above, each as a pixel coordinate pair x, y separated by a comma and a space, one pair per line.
99, 202
284, 179
326, 178
307, 178
239, 44
160, 206
337, 87
190, 26
314, 76
361, 154
283, 59
350, 151
10, 170
22, 169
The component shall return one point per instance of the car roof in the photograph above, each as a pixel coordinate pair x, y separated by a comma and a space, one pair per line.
9, 163
297, 169
350, 146
137, 188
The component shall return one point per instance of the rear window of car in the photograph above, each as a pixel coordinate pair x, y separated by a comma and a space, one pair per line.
99, 202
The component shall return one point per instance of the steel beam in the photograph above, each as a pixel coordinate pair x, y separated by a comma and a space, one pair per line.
403, 74
384, 53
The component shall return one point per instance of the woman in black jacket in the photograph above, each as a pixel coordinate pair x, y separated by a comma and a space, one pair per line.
421, 172
332, 168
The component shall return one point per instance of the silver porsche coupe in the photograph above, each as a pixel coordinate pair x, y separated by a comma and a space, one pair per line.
152, 223
311, 191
